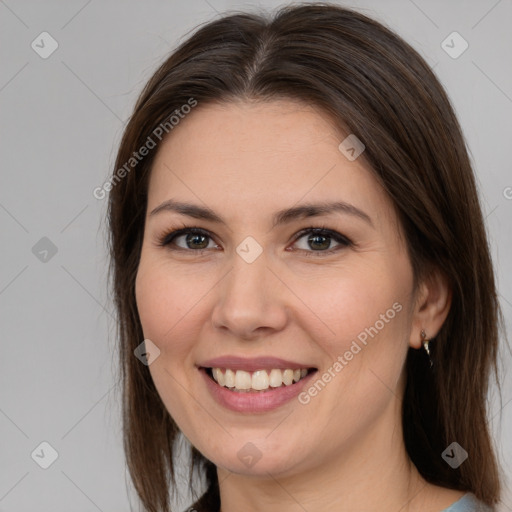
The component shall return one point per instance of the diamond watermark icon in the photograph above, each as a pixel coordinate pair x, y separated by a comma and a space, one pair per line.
454, 455
351, 147
249, 454
249, 249
454, 45
44, 455
44, 250
147, 352
44, 45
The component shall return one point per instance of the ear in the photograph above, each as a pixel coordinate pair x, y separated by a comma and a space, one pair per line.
432, 304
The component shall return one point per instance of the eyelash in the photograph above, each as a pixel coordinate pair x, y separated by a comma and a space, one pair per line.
168, 237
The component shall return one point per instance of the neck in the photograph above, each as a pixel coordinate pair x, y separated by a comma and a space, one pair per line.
373, 473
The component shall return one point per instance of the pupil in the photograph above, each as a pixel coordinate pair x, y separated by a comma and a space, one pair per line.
195, 236
316, 237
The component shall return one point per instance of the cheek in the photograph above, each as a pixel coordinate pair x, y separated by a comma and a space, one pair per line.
166, 303
364, 318
363, 304
363, 331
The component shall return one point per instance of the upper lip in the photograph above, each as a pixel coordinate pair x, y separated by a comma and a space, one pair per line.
252, 364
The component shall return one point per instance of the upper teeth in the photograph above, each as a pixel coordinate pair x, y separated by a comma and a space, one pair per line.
259, 380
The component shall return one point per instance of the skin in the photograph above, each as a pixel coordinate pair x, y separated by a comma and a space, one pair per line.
343, 451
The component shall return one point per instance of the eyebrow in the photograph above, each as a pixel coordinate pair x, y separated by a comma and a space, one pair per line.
281, 217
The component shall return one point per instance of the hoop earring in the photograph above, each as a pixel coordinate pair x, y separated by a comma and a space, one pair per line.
426, 341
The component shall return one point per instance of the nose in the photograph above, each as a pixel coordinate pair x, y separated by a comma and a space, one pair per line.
250, 300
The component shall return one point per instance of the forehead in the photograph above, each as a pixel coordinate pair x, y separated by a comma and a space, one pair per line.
237, 131
256, 156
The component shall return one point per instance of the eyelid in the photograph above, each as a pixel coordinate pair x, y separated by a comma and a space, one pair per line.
321, 230
342, 240
169, 236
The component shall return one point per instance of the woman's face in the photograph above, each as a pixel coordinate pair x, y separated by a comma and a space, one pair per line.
255, 292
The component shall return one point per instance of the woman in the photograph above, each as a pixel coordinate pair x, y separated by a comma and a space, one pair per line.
300, 265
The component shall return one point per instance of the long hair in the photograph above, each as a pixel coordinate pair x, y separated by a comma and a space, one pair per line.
376, 86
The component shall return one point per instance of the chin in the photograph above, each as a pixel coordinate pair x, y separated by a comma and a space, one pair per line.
253, 461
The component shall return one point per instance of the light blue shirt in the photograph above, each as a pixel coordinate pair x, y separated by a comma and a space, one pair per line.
468, 503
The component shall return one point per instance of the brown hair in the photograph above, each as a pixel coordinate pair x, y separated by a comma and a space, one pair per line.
374, 85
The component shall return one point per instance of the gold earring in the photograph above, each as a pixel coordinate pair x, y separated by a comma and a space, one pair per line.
426, 345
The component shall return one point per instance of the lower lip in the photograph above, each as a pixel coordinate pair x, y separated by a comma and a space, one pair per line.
257, 401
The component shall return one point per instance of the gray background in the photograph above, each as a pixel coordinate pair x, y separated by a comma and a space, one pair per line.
62, 118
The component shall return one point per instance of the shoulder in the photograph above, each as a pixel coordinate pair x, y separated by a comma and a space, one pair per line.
468, 503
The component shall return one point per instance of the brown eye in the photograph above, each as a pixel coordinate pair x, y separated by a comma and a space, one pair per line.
195, 239
319, 240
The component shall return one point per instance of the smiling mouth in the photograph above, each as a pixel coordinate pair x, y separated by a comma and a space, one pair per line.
260, 380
